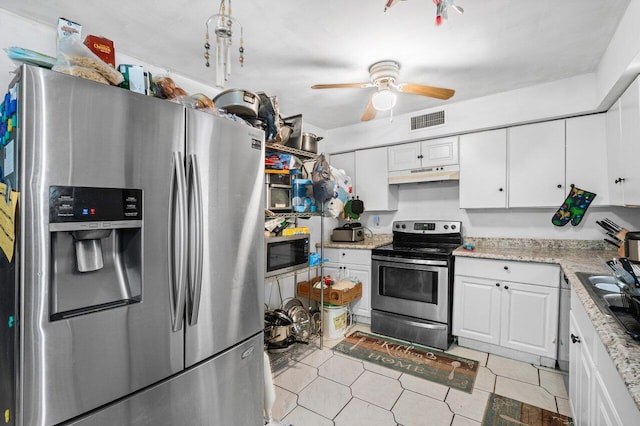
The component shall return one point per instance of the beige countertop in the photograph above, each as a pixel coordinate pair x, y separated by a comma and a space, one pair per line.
574, 256
369, 242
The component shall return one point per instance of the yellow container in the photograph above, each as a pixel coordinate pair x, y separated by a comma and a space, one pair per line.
295, 231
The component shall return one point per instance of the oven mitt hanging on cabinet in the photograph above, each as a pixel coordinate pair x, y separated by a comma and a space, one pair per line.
574, 207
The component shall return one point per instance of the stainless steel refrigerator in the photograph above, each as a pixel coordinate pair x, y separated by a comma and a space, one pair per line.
133, 295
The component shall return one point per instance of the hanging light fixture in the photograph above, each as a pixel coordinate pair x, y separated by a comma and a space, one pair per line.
223, 22
384, 99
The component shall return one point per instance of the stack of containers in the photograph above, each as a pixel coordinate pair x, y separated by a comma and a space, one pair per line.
302, 196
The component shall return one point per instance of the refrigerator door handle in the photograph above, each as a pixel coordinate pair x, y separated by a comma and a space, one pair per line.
196, 249
177, 241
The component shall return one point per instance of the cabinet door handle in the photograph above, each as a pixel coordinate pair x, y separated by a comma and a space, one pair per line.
506, 268
619, 180
575, 339
500, 189
506, 287
559, 186
497, 284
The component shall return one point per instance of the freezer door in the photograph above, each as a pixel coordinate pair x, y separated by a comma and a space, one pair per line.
75, 132
225, 165
225, 390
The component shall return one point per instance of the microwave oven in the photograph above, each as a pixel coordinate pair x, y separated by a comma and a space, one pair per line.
277, 195
285, 254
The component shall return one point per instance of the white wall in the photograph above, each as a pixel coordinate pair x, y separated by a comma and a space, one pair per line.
572, 96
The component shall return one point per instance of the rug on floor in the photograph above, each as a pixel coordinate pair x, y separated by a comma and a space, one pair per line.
503, 411
420, 361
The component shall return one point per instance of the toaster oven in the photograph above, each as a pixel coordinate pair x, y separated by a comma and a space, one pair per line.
278, 192
632, 246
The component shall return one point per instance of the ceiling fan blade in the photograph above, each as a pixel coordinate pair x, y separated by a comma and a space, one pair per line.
370, 112
419, 89
342, 86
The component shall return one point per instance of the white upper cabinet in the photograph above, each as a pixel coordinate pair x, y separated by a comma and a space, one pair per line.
367, 169
614, 156
630, 144
405, 157
586, 149
483, 169
373, 186
418, 155
537, 165
440, 152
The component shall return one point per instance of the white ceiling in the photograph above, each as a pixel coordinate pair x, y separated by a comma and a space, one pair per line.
495, 46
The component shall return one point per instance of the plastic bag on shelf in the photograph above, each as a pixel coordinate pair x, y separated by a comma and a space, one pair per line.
73, 53
30, 56
88, 73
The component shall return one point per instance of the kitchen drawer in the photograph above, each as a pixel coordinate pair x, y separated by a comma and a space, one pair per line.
352, 256
543, 274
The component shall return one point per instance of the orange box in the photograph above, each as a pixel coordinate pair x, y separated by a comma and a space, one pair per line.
102, 47
335, 297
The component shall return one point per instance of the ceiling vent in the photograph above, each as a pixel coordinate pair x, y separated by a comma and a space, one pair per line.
429, 120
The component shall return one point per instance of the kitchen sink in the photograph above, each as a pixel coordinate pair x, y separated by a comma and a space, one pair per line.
608, 297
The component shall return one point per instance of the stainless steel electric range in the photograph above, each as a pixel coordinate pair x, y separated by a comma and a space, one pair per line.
412, 282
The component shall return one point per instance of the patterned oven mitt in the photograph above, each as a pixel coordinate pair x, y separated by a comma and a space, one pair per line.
574, 207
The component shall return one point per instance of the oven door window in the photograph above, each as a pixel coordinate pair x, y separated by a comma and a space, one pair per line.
417, 285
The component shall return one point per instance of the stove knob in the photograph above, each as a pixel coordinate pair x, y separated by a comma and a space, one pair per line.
447, 227
453, 227
404, 226
397, 226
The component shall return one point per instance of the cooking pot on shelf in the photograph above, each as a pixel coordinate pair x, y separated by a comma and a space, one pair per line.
239, 102
278, 326
310, 142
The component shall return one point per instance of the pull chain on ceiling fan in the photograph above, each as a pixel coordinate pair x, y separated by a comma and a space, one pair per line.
384, 75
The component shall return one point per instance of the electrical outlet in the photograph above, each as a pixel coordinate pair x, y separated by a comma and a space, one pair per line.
376, 220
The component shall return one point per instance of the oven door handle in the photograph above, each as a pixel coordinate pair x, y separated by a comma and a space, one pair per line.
410, 261
424, 325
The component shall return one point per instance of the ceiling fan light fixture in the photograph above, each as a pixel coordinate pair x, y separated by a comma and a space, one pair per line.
383, 100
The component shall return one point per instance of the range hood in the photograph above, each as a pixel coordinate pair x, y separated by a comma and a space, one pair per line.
425, 174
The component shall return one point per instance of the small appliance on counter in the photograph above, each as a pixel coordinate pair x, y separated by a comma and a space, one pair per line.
349, 232
632, 246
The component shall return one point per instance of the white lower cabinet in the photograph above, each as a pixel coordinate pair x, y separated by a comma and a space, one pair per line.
476, 309
597, 394
506, 304
345, 263
581, 370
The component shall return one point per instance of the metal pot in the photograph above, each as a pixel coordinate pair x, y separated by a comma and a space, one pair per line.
239, 102
279, 326
310, 142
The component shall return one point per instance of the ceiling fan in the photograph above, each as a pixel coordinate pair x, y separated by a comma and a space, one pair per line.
383, 75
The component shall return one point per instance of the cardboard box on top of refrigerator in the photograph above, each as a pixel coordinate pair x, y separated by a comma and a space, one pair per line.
102, 47
66, 29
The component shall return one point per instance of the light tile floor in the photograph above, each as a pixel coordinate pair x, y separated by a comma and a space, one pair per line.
323, 388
